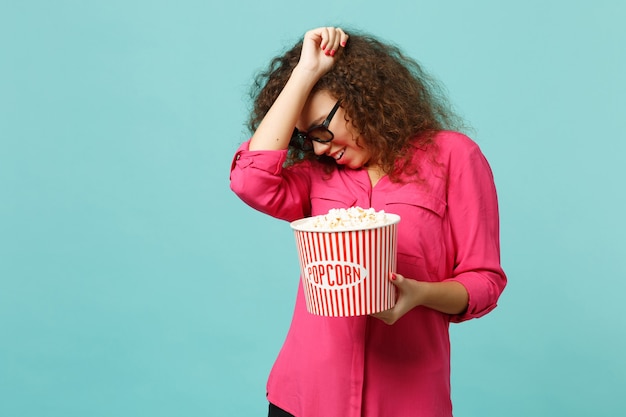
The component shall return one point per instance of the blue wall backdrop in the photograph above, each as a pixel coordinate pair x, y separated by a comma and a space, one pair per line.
133, 282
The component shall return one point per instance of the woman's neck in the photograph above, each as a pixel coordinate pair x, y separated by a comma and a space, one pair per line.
375, 173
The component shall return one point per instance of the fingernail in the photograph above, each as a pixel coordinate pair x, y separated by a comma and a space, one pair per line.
393, 276
343, 43
332, 52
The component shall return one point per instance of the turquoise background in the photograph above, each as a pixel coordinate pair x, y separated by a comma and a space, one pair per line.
133, 282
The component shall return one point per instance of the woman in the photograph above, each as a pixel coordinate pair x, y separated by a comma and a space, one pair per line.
371, 130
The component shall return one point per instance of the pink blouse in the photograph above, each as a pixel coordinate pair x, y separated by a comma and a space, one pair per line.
449, 230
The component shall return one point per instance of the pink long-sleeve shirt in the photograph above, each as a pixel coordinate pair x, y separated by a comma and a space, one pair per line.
449, 230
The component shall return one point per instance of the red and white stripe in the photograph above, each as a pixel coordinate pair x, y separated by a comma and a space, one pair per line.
373, 249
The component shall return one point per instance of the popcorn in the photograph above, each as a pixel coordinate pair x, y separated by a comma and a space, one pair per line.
347, 219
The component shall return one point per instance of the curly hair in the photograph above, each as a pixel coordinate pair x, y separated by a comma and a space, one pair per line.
390, 100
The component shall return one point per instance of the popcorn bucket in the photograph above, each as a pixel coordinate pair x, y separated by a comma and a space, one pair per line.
346, 272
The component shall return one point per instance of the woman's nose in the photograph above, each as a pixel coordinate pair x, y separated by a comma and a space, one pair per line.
321, 148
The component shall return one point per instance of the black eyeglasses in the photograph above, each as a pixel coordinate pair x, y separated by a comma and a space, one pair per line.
317, 133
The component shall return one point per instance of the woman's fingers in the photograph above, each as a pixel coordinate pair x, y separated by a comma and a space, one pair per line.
329, 38
407, 299
332, 39
324, 34
318, 46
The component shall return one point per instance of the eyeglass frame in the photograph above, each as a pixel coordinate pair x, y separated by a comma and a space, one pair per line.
302, 137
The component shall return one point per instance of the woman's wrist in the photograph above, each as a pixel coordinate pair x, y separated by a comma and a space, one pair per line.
307, 77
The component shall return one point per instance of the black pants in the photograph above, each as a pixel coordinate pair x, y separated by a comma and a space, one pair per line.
278, 412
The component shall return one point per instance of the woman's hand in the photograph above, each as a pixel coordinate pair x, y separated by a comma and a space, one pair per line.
449, 297
320, 47
408, 298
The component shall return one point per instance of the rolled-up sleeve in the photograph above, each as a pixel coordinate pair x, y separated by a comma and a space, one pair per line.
259, 179
474, 222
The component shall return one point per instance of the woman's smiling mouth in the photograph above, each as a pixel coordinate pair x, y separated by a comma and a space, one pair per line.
338, 155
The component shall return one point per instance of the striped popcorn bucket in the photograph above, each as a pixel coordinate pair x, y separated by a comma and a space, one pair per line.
346, 272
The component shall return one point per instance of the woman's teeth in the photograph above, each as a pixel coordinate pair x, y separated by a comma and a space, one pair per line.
339, 155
